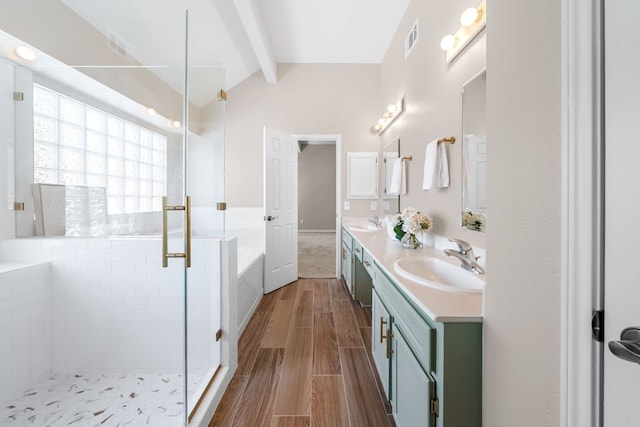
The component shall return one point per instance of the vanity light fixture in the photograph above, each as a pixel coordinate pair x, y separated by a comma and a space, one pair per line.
393, 111
26, 53
472, 21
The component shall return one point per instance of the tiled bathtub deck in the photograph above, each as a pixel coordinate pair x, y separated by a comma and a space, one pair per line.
100, 400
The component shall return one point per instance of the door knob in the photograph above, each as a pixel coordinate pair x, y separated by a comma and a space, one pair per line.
628, 347
270, 218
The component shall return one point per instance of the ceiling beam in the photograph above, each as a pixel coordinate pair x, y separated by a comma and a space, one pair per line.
255, 28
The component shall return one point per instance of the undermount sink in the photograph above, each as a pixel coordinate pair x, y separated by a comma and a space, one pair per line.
366, 228
438, 274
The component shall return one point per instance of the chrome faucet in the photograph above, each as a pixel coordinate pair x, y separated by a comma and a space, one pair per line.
376, 220
465, 255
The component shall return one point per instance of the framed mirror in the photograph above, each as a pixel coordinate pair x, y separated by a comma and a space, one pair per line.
474, 154
394, 186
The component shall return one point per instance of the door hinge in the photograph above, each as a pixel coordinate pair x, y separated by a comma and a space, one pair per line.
435, 406
218, 335
18, 96
597, 325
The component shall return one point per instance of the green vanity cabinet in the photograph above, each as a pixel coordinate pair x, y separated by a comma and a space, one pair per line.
355, 260
433, 376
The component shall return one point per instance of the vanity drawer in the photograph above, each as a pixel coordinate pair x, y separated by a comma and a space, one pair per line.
347, 239
357, 249
418, 331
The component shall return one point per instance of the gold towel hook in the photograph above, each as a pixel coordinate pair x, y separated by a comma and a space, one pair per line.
407, 158
450, 140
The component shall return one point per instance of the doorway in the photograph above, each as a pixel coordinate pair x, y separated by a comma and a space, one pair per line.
318, 201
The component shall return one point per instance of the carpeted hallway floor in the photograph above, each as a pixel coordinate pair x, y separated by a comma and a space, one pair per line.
317, 255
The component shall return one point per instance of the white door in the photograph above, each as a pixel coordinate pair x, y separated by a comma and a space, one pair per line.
281, 209
622, 203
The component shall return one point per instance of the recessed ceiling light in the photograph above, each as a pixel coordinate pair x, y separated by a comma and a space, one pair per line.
26, 53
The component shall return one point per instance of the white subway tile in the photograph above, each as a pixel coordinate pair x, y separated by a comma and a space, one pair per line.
145, 267
98, 244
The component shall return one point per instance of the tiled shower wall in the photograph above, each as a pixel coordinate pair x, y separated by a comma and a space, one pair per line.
114, 309
25, 331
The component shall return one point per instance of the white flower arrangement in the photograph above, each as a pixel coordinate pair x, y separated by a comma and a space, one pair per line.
411, 221
475, 221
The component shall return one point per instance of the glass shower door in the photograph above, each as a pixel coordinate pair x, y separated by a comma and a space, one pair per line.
100, 138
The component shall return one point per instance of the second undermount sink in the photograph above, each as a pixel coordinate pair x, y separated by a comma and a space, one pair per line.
366, 228
438, 274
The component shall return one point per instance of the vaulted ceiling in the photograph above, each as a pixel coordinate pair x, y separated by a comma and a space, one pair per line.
245, 36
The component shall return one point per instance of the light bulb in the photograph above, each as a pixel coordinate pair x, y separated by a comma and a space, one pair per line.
377, 127
386, 115
447, 42
176, 124
469, 16
151, 111
381, 122
392, 108
26, 53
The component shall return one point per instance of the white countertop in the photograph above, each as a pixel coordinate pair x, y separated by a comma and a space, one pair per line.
439, 305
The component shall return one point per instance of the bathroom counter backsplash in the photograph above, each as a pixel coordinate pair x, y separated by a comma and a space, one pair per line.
439, 305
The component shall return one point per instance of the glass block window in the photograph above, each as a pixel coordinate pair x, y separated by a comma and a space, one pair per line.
77, 144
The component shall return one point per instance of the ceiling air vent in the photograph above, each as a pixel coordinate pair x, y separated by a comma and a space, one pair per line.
121, 46
411, 40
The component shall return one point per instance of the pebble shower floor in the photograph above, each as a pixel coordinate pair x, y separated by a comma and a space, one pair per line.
99, 400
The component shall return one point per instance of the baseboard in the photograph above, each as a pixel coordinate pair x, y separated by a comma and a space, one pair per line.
316, 231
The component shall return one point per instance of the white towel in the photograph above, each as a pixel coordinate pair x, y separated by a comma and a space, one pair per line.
443, 166
398, 184
430, 165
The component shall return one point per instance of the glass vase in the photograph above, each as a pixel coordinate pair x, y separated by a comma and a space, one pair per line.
410, 241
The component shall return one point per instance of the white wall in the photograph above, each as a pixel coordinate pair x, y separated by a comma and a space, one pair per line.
433, 107
308, 99
522, 299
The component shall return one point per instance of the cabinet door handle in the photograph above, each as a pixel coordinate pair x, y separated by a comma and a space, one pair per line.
367, 264
389, 349
357, 250
382, 323
344, 254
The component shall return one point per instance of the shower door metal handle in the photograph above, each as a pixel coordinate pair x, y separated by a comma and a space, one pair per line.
165, 232
628, 347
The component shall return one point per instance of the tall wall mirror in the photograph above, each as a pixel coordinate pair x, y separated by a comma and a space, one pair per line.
474, 154
394, 175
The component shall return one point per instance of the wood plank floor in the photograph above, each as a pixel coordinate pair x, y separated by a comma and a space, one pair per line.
304, 360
